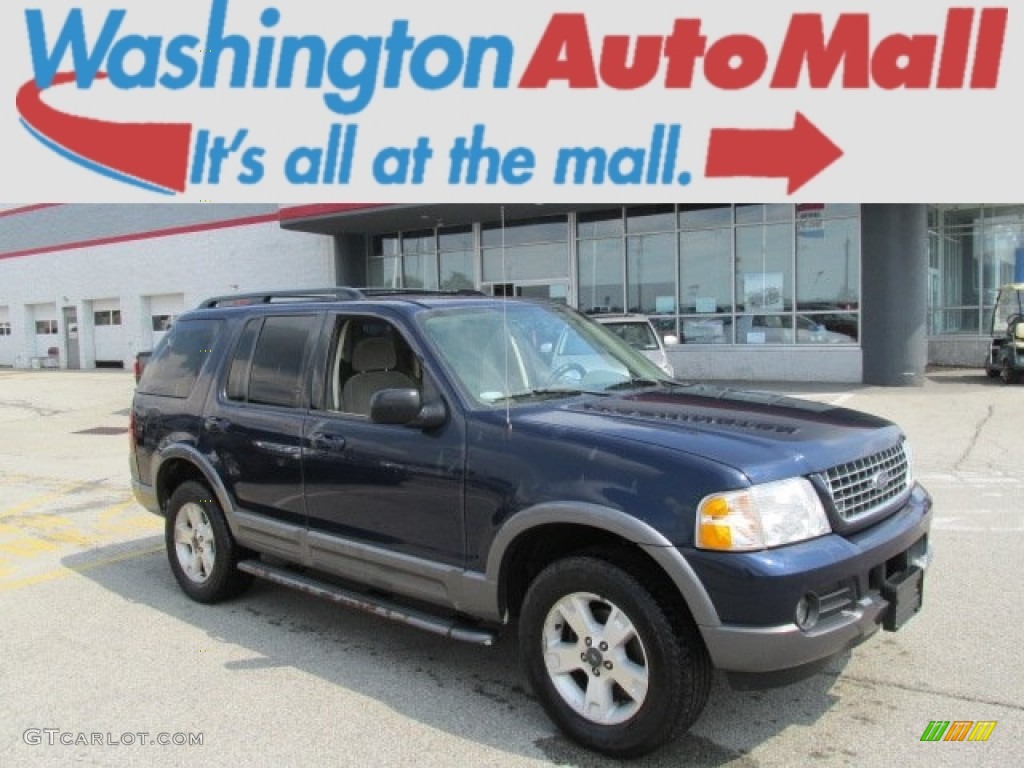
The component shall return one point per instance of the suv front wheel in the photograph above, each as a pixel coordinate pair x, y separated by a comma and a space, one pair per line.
201, 550
610, 667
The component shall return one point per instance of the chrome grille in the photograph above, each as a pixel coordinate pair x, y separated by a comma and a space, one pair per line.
860, 487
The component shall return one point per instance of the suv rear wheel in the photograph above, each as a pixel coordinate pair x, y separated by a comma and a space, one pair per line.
201, 550
608, 664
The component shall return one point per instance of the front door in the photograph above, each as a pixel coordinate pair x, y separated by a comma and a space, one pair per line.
392, 491
71, 337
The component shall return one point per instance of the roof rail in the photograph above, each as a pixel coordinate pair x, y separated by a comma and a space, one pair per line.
337, 293
375, 292
271, 297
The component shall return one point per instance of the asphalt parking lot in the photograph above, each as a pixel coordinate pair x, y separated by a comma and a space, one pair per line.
103, 657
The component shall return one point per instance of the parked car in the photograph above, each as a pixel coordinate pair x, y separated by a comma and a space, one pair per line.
1005, 358
639, 333
778, 329
421, 457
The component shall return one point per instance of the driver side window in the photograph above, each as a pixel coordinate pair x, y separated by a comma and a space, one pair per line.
367, 355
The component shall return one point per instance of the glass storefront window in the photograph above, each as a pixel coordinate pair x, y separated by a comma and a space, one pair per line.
457, 270
828, 266
650, 218
765, 329
526, 262
651, 274
546, 230
600, 224
762, 214
600, 280
973, 250
705, 266
385, 264
533, 250
705, 217
764, 268
419, 260
775, 274
706, 329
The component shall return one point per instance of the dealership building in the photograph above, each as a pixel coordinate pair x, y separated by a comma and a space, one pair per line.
869, 293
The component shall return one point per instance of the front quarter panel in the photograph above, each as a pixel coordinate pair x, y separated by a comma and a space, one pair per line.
527, 465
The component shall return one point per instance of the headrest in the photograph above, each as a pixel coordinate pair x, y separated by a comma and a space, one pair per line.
377, 354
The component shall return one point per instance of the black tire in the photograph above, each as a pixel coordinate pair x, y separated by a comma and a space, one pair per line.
203, 554
1008, 373
663, 650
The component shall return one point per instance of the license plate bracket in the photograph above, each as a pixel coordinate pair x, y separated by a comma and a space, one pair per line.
904, 591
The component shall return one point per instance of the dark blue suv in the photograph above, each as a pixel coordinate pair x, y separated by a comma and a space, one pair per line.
465, 464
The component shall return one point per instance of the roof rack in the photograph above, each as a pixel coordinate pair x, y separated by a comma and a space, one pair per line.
271, 297
336, 293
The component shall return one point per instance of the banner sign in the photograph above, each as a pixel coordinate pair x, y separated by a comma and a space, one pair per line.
401, 101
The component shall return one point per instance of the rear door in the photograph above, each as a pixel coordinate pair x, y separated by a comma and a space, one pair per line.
253, 428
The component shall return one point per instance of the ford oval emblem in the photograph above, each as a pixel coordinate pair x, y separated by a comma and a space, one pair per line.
881, 480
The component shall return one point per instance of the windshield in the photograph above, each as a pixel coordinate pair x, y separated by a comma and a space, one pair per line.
1009, 303
523, 352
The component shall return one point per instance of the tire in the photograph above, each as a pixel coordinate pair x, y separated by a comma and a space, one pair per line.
636, 684
1008, 373
201, 550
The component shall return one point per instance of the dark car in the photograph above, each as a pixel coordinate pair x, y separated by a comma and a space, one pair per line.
424, 457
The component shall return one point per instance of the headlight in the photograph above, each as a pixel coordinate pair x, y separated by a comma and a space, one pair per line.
760, 517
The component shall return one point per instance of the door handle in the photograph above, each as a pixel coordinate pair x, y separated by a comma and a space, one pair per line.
216, 424
325, 442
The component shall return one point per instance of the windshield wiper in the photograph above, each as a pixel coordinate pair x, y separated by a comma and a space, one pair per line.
516, 397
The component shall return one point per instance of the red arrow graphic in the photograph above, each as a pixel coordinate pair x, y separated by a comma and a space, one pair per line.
799, 153
156, 153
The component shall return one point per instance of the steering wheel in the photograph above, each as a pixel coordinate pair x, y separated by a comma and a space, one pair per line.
564, 370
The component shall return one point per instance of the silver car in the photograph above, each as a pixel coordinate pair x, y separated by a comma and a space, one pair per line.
639, 333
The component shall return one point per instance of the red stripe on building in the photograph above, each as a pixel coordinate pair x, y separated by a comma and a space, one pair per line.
150, 235
27, 209
294, 212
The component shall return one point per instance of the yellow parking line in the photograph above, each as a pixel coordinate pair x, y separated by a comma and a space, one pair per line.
27, 547
61, 573
115, 510
36, 501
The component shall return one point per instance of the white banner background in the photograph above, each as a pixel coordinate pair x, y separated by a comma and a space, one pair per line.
900, 146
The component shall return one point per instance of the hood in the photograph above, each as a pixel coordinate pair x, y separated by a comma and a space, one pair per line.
763, 435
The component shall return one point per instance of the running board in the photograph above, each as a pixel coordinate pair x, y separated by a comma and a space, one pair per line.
446, 627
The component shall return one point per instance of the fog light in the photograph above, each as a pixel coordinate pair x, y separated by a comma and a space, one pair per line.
807, 611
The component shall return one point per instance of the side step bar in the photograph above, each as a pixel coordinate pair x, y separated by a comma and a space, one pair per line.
438, 625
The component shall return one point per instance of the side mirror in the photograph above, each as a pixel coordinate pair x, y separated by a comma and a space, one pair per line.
404, 407
671, 341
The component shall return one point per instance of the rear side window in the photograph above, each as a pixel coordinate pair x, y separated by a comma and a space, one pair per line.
270, 363
173, 369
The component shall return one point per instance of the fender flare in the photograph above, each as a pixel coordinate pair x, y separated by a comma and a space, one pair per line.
188, 453
616, 522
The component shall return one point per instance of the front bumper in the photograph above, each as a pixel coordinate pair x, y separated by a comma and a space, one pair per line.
864, 582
